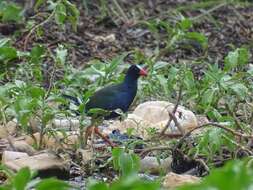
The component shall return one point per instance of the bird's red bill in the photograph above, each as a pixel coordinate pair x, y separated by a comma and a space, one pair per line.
143, 72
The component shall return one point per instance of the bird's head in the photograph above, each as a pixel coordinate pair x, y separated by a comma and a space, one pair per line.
137, 71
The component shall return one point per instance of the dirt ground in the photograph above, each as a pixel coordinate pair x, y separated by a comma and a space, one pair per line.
97, 37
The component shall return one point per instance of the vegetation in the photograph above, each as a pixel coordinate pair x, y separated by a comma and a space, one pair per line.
42, 56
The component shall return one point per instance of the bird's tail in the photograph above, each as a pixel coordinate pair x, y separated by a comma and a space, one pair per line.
73, 99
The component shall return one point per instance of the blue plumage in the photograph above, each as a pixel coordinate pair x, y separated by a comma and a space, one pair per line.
119, 96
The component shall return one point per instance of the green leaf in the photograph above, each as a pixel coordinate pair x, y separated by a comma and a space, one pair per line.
235, 175
208, 96
22, 178
12, 13
239, 57
4, 42
60, 13
52, 184
240, 89
116, 152
185, 24
61, 54
98, 186
243, 58
36, 92
8, 53
198, 37
127, 163
38, 4
37, 53
73, 14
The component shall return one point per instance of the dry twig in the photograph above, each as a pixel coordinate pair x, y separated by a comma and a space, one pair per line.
173, 113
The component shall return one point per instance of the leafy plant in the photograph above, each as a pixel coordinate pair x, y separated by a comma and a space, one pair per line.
25, 179
235, 175
127, 164
10, 12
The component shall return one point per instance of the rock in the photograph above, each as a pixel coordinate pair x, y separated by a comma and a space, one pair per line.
47, 165
202, 119
172, 180
66, 123
85, 154
22, 146
9, 129
57, 141
109, 38
12, 155
152, 166
154, 114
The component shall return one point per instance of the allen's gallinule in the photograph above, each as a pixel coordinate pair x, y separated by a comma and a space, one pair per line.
113, 97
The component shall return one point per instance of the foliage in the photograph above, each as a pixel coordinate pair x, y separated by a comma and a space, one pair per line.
10, 12
25, 179
128, 165
235, 175
222, 91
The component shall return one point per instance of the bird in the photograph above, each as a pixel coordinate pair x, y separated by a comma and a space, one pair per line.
114, 97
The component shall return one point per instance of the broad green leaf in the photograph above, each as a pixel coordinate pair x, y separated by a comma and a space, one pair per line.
60, 13
239, 57
185, 24
37, 53
240, 89
200, 38
38, 4
243, 58
52, 184
8, 53
61, 54
98, 186
72, 14
208, 96
160, 65
116, 152
236, 175
22, 178
36, 92
12, 13
4, 42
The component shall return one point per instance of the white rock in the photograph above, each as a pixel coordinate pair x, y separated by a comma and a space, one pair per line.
12, 155
151, 165
56, 141
66, 123
9, 129
85, 154
172, 180
46, 164
154, 114
22, 146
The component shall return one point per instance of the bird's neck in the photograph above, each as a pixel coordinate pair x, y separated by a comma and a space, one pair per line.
130, 81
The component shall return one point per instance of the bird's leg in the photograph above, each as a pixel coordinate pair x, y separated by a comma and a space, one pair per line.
96, 130
88, 133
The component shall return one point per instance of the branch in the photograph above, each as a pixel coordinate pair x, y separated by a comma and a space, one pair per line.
147, 150
173, 113
215, 125
35, 27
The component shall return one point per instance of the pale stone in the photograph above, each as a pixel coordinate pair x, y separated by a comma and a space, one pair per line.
12, 155
9, 129
151, 165
56, 141
173, 180
85, 154
47, 165
22, 146
154, 114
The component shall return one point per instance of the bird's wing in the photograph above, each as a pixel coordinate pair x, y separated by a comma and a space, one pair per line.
107, 98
